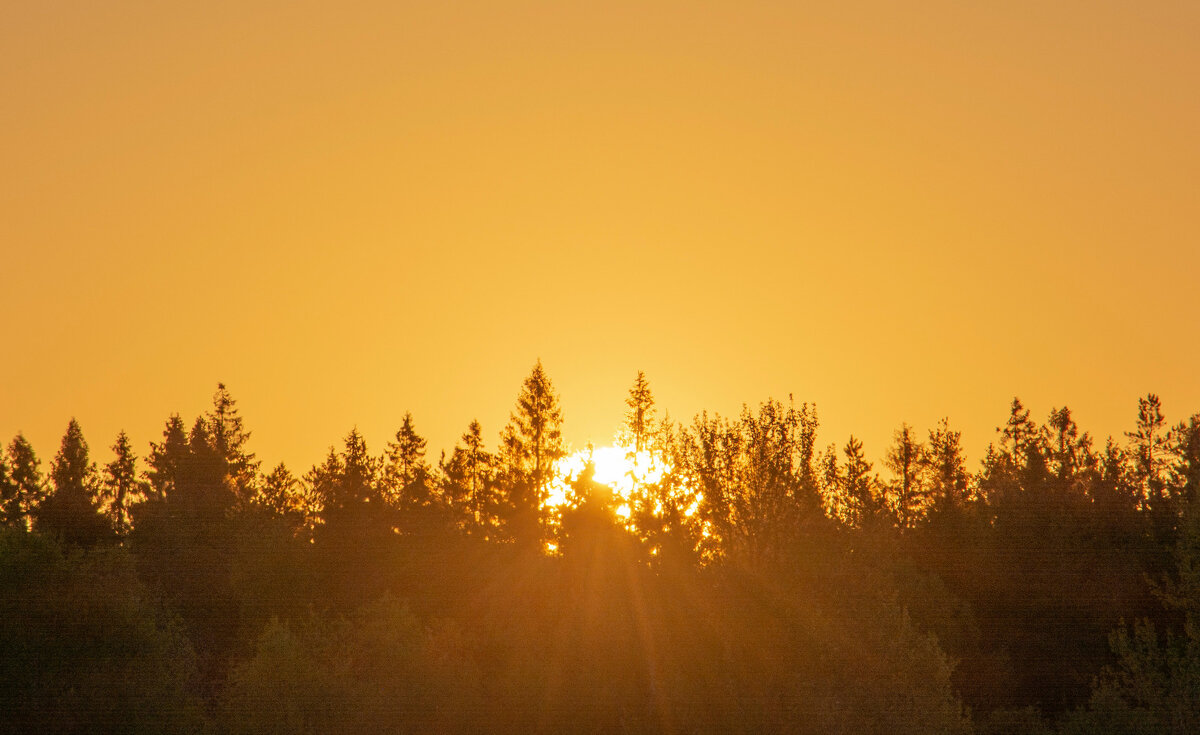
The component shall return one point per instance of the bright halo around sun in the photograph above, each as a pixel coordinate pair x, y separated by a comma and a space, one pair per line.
618, 467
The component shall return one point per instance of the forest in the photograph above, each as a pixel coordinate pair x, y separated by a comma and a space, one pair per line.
746, 578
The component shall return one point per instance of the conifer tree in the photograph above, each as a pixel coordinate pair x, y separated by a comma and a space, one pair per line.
229, 437
663, 512
1018, 433
405, 474
1017, 463
855, 491
1186, 472
121, 486
359, 471
72, 510
280, 496
1149, 451
469, 478
531, 444
10, 506
323, 482
1072, 467
1068, 453
907, 493
355, 525
1151, 458
166, 458
1114, 498
948, 479
202, 489
346, 487
25, 477
639, 419
637, 436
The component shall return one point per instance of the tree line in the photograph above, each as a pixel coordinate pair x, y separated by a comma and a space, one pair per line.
750, 580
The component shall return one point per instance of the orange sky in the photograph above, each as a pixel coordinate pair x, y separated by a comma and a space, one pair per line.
350, 210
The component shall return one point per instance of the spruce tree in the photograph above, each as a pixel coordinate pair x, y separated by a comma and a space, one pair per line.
907, 493
71, 510
469, 482
1068, 453
1016, 464
639, 419
1186, 472
949, 483
855, 497
280, 496
10, 501
1149, 452
346, 488
25, 478
531, 444
229, 437
121, 486
166, 458
405, 473
202, 489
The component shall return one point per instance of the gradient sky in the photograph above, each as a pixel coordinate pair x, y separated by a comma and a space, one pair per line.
344, 211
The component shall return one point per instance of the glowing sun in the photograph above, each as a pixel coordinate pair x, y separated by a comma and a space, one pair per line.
618, 467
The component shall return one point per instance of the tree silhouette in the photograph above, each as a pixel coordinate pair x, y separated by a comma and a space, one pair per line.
854, 492
1069, 454
469, 483
639, 418
228, 438
663, 513
1150, 455
776, 497
121, 486
25, 489
405, 476
72, 509
165, 458
948, 480
10, 502
530, 445
346, 486
1155, 684
754, 586
1186, 471
280, 495
907, 493
87, 648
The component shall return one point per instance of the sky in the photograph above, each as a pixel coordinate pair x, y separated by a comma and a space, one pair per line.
346, 211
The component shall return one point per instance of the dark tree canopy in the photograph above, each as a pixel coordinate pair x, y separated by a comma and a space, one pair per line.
732, 579
530, 445
72, 509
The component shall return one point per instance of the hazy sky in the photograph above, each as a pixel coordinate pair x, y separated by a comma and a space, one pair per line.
899, 211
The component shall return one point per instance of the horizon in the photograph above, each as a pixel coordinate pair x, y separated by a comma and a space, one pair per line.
876, 442
898, 214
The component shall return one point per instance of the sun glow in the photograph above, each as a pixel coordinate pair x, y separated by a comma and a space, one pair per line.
618, 467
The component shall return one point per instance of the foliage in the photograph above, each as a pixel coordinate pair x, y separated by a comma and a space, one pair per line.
530, 445
121, 488
747, 583
85, 649
376, 670
72, 509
